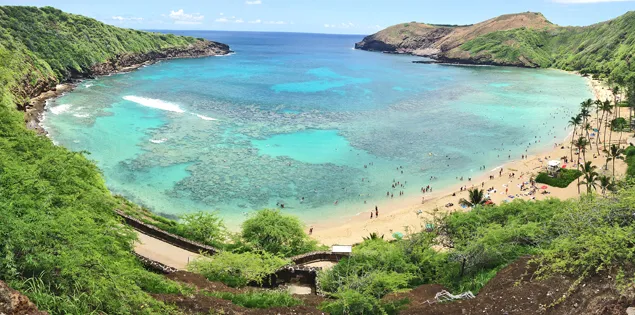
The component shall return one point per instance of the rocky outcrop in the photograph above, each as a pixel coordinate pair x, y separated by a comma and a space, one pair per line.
436, 40
13, 302
126, 62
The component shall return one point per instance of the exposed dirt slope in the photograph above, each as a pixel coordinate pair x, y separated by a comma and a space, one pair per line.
426, 40
514, 290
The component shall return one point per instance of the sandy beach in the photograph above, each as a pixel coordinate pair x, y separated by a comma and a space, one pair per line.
410, 214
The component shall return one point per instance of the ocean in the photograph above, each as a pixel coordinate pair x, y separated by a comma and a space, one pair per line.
306, 121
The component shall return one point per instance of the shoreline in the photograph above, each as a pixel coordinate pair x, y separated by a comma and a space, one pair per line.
35, 109
404, 214
409, 215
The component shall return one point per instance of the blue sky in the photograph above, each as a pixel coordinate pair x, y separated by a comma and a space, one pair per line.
324, 16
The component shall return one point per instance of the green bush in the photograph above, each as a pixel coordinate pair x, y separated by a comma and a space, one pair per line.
620, 124
630, 161
258, 299
237, 270
277, 233
562, 180
351, 302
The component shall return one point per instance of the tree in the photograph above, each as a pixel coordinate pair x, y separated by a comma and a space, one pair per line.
581, 144
607, 109
204, 227
476, 197
277, 233
574, 122
598, 108
590, 177
614, 153
605, 183
373, 236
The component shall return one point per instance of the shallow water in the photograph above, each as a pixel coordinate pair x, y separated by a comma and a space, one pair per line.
304, 115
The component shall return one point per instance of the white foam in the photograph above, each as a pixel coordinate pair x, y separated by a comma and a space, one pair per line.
88, 85
154, 103
159, 140
60, 109
81, 115
205, 117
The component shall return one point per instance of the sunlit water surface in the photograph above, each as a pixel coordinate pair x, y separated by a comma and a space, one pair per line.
304, 120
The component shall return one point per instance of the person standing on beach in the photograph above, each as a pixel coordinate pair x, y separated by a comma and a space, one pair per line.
371, 214
376, 212
311, 231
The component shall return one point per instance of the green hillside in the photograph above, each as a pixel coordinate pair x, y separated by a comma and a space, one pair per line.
524, 39
60, 242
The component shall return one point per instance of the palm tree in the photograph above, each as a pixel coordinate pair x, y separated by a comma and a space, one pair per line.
373, 236
614, 153
598, 118
607, 108
587, 127
590, 177
605, 183
581, 144
476, 197
574, 122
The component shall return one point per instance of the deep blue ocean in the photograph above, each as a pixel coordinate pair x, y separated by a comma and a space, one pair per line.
306, 121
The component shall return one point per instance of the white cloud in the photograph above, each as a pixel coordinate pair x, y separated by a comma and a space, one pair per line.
253, 2
121, 18
275, 22
258, 21
222, 20
588, 1
180, 17
239, 21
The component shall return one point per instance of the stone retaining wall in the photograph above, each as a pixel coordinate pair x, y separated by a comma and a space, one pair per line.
155, 265
170, 238
317, 256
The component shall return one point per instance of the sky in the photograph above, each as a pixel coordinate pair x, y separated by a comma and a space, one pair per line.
324, 16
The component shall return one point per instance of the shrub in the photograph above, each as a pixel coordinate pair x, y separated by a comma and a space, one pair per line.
277, 233
258, 299
630, 161
237, 270
562, 180
204, 227
620, 124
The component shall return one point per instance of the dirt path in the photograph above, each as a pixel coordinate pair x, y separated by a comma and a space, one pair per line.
163, 252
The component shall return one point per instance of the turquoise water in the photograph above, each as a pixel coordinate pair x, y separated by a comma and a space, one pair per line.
304, 120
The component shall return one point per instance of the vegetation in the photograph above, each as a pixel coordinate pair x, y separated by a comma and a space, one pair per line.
630, 161
602, 49
238, 270
578, 238
258, 299
60, 241
277, 233
476, 197
562, 180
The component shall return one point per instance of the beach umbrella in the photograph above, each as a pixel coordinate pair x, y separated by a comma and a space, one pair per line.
544, 187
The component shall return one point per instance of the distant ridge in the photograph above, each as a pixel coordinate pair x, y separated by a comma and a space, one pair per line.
524, 40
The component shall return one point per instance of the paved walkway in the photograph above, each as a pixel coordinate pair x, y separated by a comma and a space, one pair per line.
163, 252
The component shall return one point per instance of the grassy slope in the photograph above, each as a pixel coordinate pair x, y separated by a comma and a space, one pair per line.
48, 45
605, 48
60, 242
